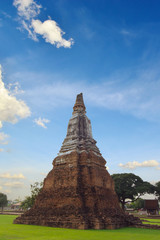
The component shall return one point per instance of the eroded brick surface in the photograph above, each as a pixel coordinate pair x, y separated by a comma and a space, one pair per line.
78, 192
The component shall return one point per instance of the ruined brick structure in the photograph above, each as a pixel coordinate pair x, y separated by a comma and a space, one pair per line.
78, 192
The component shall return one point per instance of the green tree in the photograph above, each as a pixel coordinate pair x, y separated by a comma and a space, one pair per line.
130, 187
157, 189
138, 204
3, 200
30, 200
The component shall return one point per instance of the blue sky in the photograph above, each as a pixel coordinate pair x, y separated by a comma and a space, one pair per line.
52, 50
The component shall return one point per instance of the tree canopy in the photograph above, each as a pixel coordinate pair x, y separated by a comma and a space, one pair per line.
3, 200
29, 200
138, 204
130, 187
157, 189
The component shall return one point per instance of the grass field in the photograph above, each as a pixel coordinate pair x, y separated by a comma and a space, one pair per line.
151, 221
10, 231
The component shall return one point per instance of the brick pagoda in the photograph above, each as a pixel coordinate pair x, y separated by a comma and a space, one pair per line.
78, 192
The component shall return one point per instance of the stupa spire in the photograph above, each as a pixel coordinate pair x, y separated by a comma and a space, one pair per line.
79, 106
79, 132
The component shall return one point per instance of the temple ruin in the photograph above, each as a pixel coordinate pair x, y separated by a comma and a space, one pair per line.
78, 192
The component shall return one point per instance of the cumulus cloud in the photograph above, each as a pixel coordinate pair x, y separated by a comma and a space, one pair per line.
13, 184
28, 10
51, 32
15, 176
41, 122
135, 164
11, 109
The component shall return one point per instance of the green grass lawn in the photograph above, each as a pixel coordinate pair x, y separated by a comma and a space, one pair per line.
11, 231
151, 221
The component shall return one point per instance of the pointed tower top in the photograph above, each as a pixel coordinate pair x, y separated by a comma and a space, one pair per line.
79, 106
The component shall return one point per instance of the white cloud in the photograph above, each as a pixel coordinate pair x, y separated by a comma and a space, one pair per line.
0, 188
130, 99
13, 184
7, 191
43, 174
15, 176
128, 36
131, 91
135, 164
5, 143
8, 150
14, 88
11, 109
126, 32
1, 22
51, 32
1, 150
6, 15
31, 33
3, 138
49, 29
41, 122
27, 8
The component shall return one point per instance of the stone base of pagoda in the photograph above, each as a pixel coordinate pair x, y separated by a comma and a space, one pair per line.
76, 222
78, 193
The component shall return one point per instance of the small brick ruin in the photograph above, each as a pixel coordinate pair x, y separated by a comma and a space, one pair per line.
78, 192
